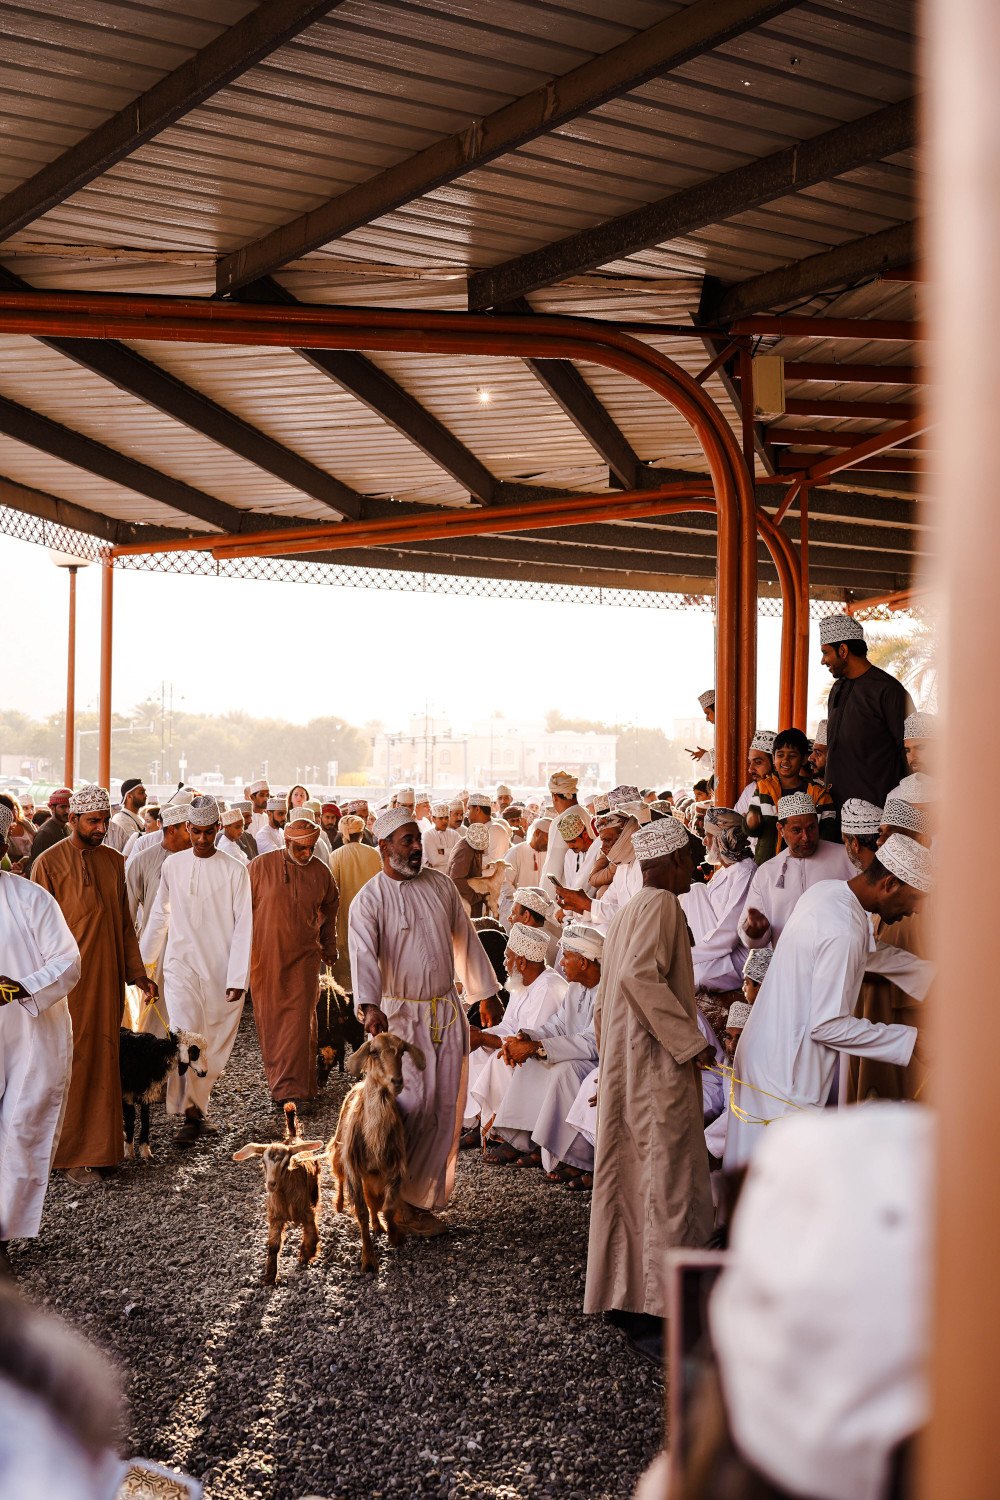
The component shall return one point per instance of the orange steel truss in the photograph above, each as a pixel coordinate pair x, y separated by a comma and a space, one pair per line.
174, 319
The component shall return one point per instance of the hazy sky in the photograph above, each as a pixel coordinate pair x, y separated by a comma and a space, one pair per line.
297, 651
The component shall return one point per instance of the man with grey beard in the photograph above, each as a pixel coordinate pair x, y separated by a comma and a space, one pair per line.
408, 937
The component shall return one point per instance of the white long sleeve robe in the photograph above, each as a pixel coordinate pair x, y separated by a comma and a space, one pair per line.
407, 941
202, 924
804, 1017
36, 1048
555, 855
713, 913
268, 838
528, 1007
142, 881
577, 868
541, 1092
781, 881
627, 880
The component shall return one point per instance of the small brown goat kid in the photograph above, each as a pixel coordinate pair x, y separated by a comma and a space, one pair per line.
367, 1155
292, 1181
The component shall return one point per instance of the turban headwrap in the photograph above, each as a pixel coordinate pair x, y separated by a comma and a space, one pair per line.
562, 784
726, 828
587, 941
350, 824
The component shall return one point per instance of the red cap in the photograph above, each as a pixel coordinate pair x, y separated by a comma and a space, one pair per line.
62, 794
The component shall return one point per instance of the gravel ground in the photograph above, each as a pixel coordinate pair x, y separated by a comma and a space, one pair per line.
464, 1368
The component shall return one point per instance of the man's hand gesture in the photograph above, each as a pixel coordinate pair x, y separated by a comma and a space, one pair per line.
376, 1020
756, 924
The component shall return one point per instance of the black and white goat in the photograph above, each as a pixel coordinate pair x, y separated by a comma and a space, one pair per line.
145, 1062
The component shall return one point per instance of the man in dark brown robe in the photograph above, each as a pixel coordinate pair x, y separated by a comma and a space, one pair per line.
88, 882
295, 901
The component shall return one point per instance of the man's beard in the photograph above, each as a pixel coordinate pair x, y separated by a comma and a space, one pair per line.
515, 982
855, 861
406, 869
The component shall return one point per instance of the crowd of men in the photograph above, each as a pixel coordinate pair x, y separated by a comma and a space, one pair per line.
622, 991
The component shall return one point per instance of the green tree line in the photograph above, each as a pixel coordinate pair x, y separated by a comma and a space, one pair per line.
146, 745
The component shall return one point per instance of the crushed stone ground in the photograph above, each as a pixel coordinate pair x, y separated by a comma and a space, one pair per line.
465, 1368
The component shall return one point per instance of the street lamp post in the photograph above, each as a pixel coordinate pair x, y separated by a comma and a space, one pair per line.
72, 566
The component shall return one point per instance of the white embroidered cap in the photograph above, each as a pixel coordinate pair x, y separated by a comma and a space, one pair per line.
763, 740
405, 796
232, 816
204, 811
389, 821
820, 733
601, 803
258, 786
6, 820
836, 628
707, 698
739, 1015
439, 810
480, 799
246, 808
623, 796
863, 819
528, 942
909, 861
918, 726
478, 835
571, 825
90, 799
301, 815
796, 805
587, 941
918, 789
533, 898
659, 839
276, 804
503, 790
176, 812
755, 966
900, 814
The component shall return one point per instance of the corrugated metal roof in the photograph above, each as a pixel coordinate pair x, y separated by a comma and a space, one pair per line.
371, 85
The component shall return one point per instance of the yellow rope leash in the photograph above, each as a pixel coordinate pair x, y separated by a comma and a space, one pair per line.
437, 1030
153, 1006
743, 1115
8, 994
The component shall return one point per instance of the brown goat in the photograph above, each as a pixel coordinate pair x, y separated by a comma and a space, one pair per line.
367, 1155
292, 1181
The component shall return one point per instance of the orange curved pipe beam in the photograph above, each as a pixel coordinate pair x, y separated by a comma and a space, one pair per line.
112, 316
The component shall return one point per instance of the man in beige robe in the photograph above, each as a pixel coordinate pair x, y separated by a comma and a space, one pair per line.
651, 1175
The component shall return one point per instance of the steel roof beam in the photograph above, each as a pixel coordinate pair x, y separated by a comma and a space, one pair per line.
139, 377
378, 391
802, 279
71, 447
697, 28
725, 196
269, 26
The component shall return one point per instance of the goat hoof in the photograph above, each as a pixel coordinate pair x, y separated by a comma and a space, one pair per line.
145, 1153
129, 1151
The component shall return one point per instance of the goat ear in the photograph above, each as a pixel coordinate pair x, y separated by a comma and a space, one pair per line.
419, 1060
317, 1146
355, 1064
253, 1149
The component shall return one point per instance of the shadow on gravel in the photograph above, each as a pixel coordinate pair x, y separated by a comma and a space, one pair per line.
463, 1368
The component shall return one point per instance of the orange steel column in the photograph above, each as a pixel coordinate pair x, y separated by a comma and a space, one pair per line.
962, 223
748, 572
68, 767
801, 695
104, 709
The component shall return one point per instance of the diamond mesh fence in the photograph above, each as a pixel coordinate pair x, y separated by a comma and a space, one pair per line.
63, 538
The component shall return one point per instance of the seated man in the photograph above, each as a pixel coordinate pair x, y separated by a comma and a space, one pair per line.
739, 1014
713, 911
582, 850
534, 908
536, 993
549, 1063
778, 884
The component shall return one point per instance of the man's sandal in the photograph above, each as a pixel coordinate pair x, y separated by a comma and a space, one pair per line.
582, 1184
500, 1153
563, 1173
530, 1158
470, 1140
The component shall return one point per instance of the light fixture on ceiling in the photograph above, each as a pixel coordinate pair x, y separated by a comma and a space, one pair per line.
484, 396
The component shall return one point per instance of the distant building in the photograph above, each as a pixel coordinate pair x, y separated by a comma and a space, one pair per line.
430, 752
